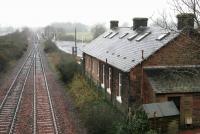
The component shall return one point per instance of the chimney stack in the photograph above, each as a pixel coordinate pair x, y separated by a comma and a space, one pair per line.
137, 22
114, 24
185, 21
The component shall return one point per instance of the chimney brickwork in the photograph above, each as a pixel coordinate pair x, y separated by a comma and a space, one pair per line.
114, 24
137, 22
185, 21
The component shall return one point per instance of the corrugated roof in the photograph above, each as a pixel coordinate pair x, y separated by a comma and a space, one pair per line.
174, 79
115, 49
163, 109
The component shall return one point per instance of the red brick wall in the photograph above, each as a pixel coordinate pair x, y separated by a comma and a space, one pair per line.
182, 51
196, 109
91, 67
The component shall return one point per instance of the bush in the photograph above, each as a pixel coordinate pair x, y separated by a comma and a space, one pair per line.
136, 124
49, 46
12, 47
68, 67
3, 62
98, 115
100, 118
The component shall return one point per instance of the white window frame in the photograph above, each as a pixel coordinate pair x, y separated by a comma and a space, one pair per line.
98, 70
119, 98
93, 66
103, 71
109, 80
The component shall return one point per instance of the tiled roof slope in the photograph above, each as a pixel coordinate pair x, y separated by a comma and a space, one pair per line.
174, 80
123, 53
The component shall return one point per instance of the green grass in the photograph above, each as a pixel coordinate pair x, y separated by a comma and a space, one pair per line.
98, 115
86, 36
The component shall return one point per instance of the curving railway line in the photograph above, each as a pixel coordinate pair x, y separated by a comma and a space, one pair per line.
43, 115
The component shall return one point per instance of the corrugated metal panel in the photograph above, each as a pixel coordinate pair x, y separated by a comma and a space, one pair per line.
164, 109
105, 48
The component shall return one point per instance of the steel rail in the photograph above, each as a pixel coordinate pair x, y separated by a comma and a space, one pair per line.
20, 98
49, 97
6, 96
34, 98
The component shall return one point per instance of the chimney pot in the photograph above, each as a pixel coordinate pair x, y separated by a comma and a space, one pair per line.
185, 21
137, 22
114, 24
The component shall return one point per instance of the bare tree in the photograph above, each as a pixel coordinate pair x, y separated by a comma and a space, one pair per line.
166, 21
185, 6
97, 30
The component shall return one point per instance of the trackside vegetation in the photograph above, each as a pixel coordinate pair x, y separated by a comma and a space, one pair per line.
12, 47
98, 115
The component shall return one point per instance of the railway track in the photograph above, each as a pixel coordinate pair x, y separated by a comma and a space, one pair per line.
11, 102
44, 116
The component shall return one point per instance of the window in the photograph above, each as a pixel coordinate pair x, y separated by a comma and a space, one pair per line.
123, 35
119, 99
93, 66
162, 36
109, 80
112, 35
98, 71
132, 36
105, 36
103, 79
143, 36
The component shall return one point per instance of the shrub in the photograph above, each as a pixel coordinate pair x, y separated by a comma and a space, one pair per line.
136, 124
3, 61
49, 46
68, 67
98, 115
12, 47
100, 118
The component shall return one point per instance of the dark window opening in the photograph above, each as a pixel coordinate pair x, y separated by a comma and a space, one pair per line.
176, 101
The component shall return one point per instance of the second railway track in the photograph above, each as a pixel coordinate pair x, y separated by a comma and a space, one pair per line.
11, 101
42, 117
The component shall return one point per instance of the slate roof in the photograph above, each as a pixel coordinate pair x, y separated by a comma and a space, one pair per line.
174, 80
123, 53
163, 109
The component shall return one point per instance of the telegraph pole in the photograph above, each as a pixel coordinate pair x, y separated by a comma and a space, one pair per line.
74, 48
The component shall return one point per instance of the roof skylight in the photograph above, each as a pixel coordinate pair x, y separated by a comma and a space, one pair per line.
112, 35
143, 36
132, 36
123, 35
162, 36
107, 34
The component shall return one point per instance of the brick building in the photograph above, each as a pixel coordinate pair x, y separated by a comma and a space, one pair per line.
117, 60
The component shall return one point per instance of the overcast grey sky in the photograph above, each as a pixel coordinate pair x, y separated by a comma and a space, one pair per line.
36, 13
